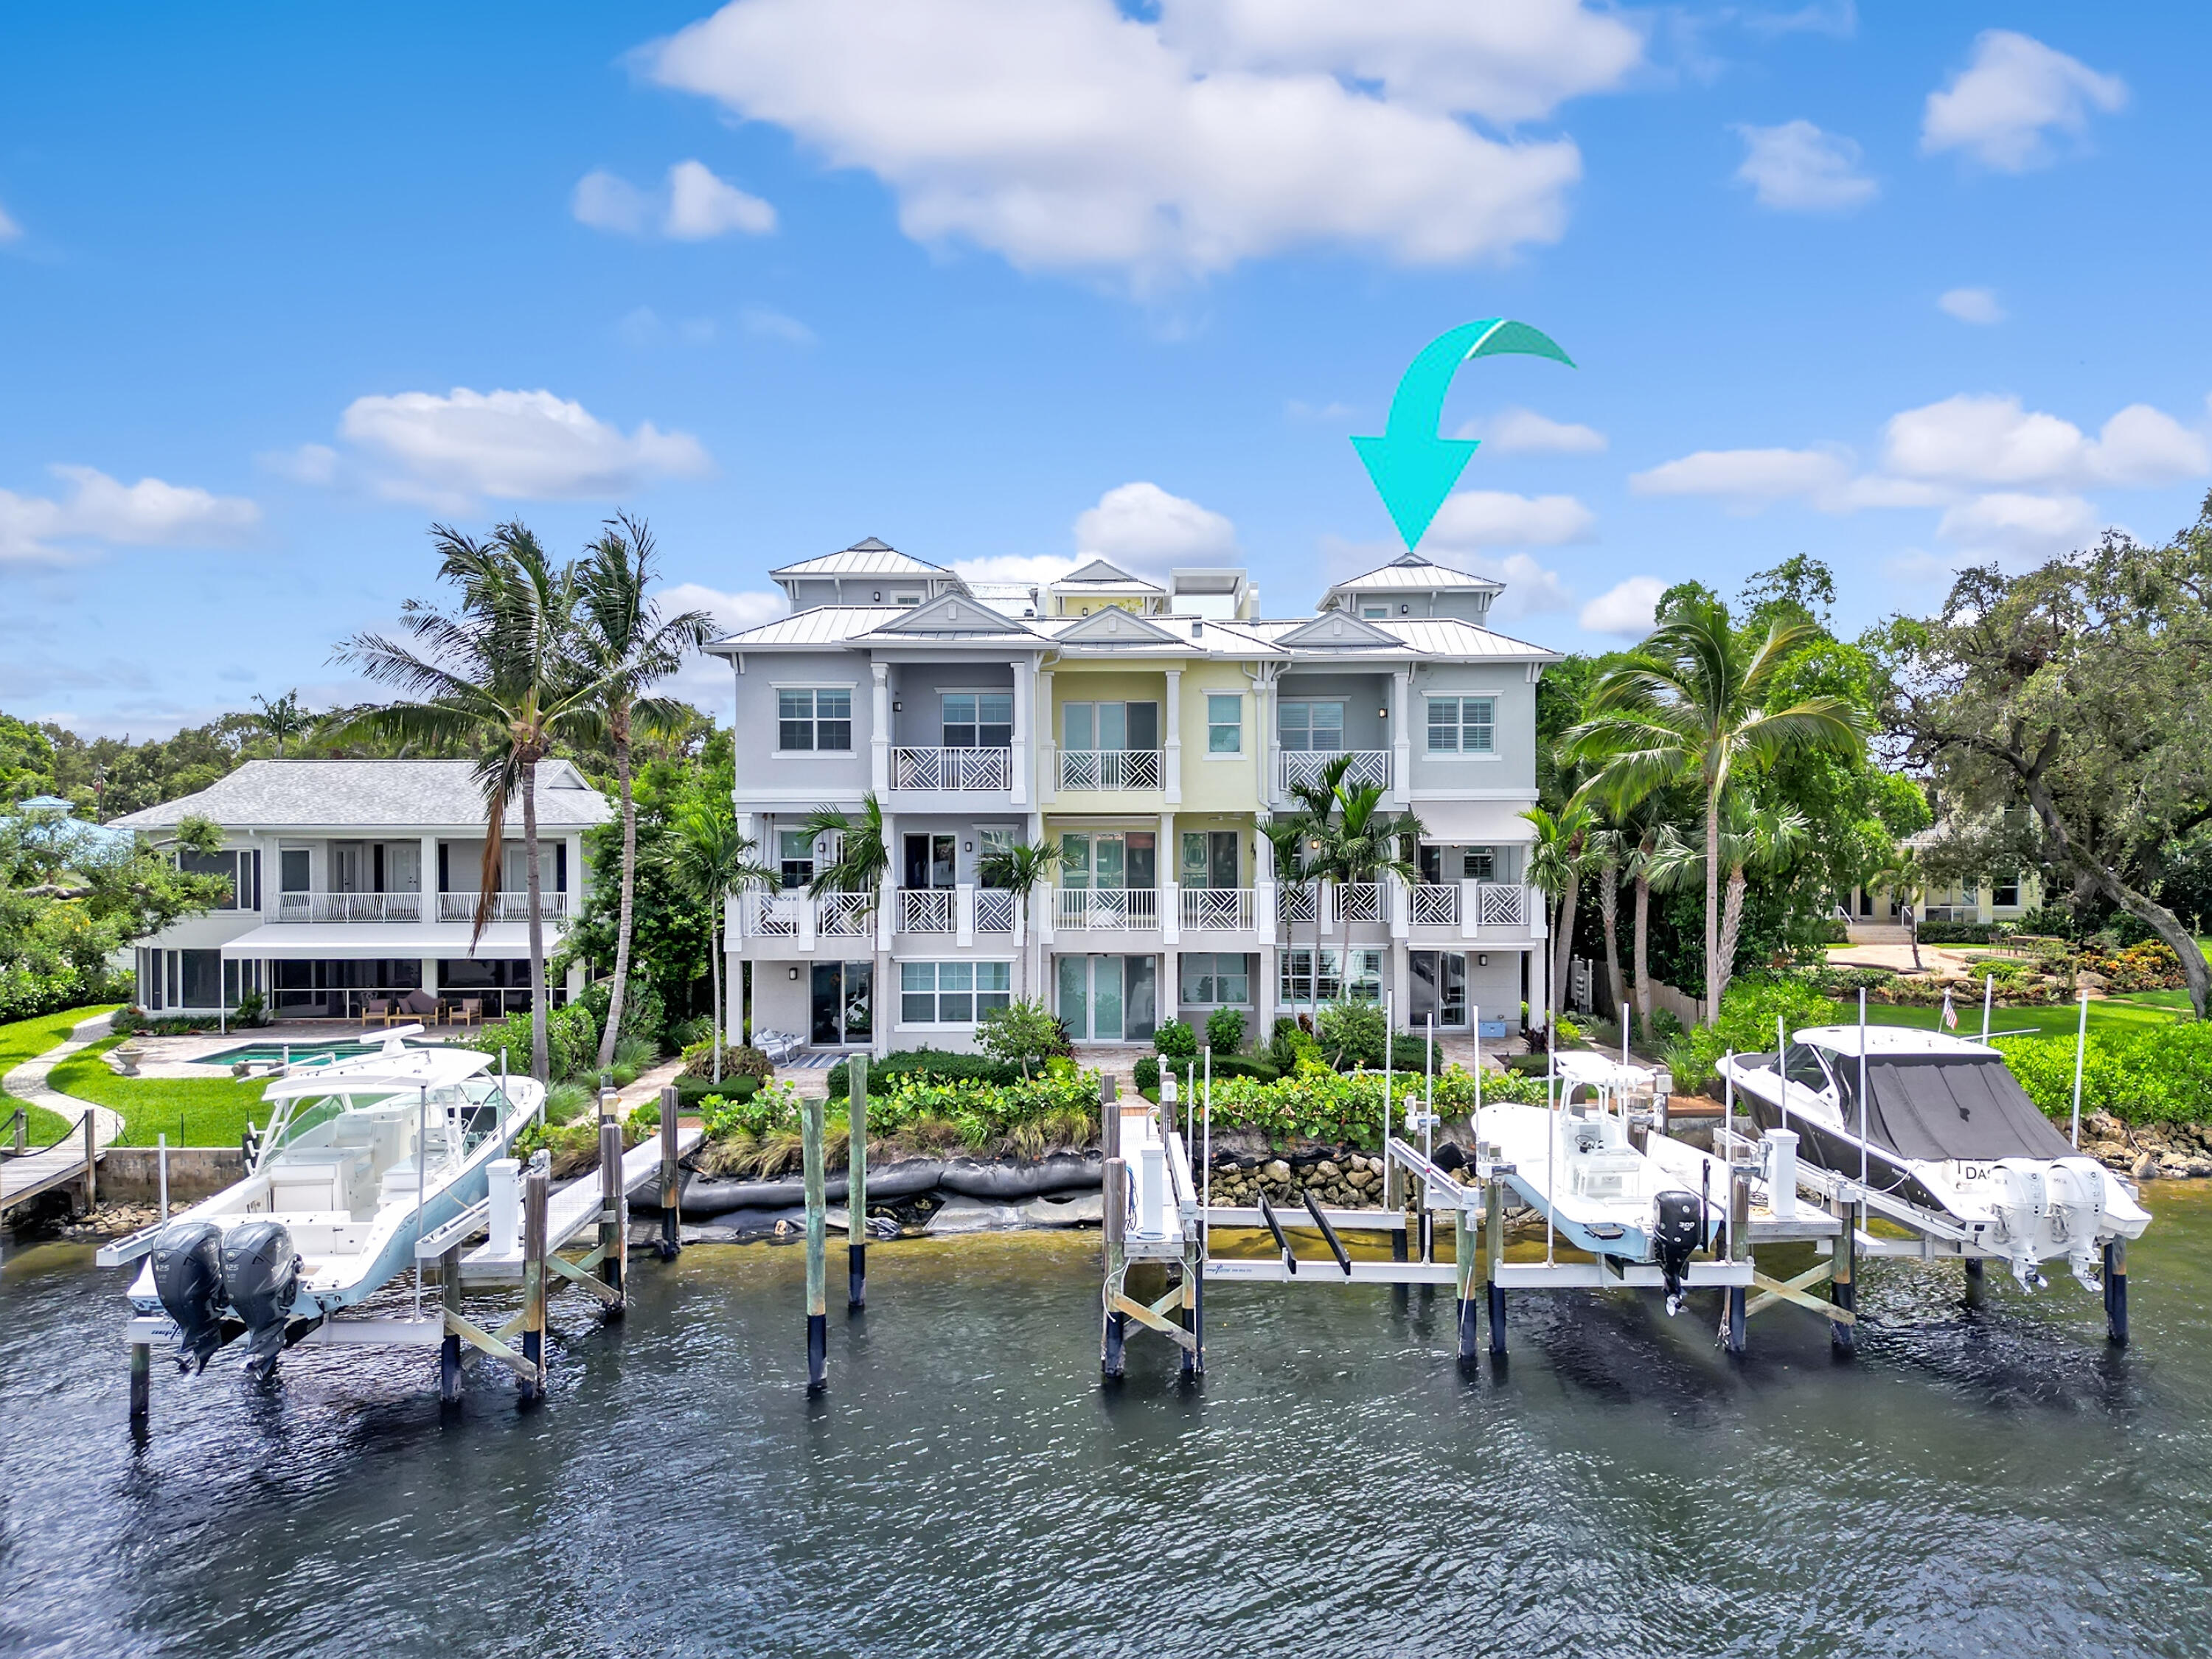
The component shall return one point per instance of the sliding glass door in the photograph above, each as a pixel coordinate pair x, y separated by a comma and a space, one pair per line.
1109, 998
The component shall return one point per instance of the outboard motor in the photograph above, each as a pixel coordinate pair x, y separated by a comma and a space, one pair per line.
188, 1278
1678, 1222
2022, 1204
261, 1277
2076, 1186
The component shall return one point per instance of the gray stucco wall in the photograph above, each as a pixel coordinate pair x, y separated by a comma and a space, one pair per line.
1514, 734
919, 685
1362, 695
764, 779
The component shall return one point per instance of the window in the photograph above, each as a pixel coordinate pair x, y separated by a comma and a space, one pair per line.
238, 868
990, 844
1310, 725
930, 861
1461, 726
1438, 987
292, 870
978, 719
1375, 612
2004, 893
1479, 863
1107, 861
1296, 981
1109, 726
952, 993
1216, 980
1209, 857
795, 848
811, 721
1225, 724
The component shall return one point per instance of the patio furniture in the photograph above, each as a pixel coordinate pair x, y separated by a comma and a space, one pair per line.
469, 1011
778, 1046
418, 1005
377, 1010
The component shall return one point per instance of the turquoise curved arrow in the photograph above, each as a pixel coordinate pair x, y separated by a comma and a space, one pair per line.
1413, 466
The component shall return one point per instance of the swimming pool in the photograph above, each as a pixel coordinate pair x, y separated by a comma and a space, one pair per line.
297, 1052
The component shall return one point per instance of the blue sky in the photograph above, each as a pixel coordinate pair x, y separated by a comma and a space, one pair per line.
1001, 281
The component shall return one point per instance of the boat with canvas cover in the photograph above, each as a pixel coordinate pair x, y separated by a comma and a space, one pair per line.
1943, 1129
360, 1157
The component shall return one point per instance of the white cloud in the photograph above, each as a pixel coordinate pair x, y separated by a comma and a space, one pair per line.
1972, 440
1505, 64
1531, 589
693, 205
446, 451
100, 509
1497, 518
2022, 525
1037, 568
1625, 609
1064, 134
1796, 167
702, 207
9, 230
1750, 479
704, 681
1141, 524
1972, 304
2002, 109
1524, 432
767, 323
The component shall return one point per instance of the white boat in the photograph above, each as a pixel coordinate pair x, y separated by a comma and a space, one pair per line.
360, 1157
1949, 1135
1578, 1163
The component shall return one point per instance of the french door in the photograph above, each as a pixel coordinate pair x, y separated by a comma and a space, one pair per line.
843, 1003
1109, 999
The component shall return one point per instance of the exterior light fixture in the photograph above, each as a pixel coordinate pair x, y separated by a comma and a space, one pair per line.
1405, 610
897, 708
1381, 714
793, 972
876, 598
1481, 960
967, 845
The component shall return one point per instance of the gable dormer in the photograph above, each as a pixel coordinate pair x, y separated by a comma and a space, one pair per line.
1113, 629
954, 613
1333, 630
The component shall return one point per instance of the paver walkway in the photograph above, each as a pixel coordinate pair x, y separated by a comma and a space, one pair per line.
21, 1176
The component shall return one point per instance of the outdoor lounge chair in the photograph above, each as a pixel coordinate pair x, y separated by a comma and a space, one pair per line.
779, 1045
376, 1012
469, 1011
417, 1005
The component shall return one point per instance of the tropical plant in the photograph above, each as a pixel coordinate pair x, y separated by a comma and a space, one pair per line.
1356, 844
710, 860
1692, 704
1762, 839
282, 719
1175, 1040
1557, 858
1290, 842
1020, 869
629, 646
1023, 1034
1225, 1031
500, 673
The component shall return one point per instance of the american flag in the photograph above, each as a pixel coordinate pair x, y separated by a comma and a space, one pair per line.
1950, 1014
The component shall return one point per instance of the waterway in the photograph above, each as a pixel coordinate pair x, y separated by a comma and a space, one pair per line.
1996, 1482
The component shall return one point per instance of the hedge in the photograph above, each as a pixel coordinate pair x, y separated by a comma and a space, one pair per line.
27, 995
924, 1062
2151, 1074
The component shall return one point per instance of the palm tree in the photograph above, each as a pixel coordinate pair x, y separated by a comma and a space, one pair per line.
1557, 857
1902, 873
1763, 839
1316, 798
630, 646
282, 719
500, 673
1359, 846
710, 860
1691, 704
1292, 837
1608, 849
1020, 869
863, 859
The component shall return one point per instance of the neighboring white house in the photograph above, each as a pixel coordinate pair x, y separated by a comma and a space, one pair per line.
358, 880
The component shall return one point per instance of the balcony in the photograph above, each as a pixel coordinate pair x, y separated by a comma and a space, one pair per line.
1436, 905
928, 910
1306, 765
1106, 909
978, 770
994, 910
768, 914
1082, 769
349, 906
1217, 909
505, 907
845, 915
1356, 901
1497, 905
1295, 904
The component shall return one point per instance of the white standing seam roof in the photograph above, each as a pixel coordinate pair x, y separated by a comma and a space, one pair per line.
371, 795
374, 941
1429, 636
1100, 573
868, 558
1417, 574
853, 625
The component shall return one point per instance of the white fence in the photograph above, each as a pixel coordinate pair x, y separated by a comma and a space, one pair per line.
1306, 765
985, 769
1105, 910
1110, 768
1217, 909
505, 907
926, 910
994, 910
354, 907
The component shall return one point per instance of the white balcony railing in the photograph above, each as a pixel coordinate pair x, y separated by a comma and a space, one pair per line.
1110, 768
845, 915
1217, 909
1498, 904
1105, 910
994, 910
349, 906
1436, 905
1358, 901
987, 769
771, 915
926, 910
505, 907
1295, 904
1305, 765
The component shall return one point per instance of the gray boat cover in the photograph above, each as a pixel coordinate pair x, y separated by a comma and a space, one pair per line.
1950, 1106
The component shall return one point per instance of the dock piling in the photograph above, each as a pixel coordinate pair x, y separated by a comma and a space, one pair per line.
1977, 1282
2115, 1292
671, 1179
1493, 1216
449, 1346
1463, 1258
614, 1205
142, 1383
1734, 1313
1842, 1290
1112, 1222
91, 1166
537, 1196
817, 1323
856, 1185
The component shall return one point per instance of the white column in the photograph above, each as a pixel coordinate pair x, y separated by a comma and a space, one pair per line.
1025, 718
572, 906
746, 821
1263, 999
1174, 779
1165, 864
1399, 902
1401, 739
1048, 761
1470, 907
879, 738
963, 915
1402, 981
1171, 986
428, 883
808, 918
430, 974
886, 916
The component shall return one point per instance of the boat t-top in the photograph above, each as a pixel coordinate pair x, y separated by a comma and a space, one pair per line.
360, 1157
1942, 1128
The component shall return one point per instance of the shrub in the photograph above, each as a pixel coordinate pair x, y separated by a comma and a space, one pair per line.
685, 1033
2153, 1074
645, 1016
1567, 1031
2150, 966
1176, 1041
28, 995
1225, 1031
1956, 932
1289, 1041
772, 1109
691, 1092
883, 1074
1666, 1024
1693, 1072
1831, 930
738, 1059
1353, 1033
1022, 1035
571, 1042
1146, 1073
2052, 921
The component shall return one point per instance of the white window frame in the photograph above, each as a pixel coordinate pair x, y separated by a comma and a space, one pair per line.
1214, 973
1460, 727
1290, 973
1235, 751
973, 969
814, 688
1285, 704
979, 692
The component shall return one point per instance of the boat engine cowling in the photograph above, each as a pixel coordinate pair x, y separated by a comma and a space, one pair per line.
1677, 1224
188, 1278
261, 1278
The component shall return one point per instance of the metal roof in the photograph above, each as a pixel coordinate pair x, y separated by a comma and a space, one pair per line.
855, 625
868, 558
1099, 573
1414, 573
370, 794
1430, 637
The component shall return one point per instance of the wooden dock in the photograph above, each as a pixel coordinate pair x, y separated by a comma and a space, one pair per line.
75, 1158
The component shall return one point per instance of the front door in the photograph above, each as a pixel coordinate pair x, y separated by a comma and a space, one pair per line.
1109, 999
929, 861
842, 1011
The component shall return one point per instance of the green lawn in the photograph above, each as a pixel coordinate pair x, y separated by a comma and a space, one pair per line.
192, 1111
27, 1039
2109, 1016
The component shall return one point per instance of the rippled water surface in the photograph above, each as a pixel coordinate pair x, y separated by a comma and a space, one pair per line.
1997, 1483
